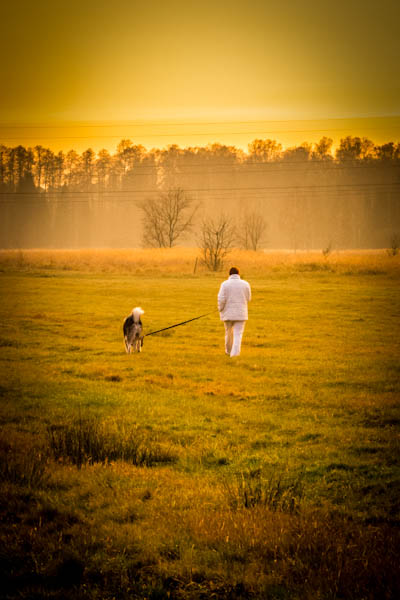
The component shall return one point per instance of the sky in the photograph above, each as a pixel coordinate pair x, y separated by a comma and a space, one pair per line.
89, 73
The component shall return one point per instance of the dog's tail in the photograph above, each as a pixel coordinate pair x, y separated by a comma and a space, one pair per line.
137, 313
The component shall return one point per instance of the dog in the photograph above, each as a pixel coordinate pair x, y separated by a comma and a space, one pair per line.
133, 331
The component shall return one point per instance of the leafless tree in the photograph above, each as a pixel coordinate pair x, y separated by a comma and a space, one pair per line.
217, 237
327, 250
394, 245
167, 217
251, 230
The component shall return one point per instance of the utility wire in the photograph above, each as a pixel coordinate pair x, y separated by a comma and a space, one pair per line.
231, 189
190, 134
168, 122
93, 196
249, 166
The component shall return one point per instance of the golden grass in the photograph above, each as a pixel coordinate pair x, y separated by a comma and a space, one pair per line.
187, 261
313, 398
174, 531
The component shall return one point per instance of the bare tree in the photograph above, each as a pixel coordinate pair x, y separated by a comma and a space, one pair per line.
394, 245
153, 230
327, 250
217, 237
251, 230
166, 218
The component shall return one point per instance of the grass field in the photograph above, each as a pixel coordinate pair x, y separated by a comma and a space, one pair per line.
181, 473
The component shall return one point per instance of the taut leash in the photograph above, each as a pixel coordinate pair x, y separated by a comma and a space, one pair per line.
183, 323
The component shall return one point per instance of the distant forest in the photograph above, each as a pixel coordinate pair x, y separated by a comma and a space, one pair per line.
308, 196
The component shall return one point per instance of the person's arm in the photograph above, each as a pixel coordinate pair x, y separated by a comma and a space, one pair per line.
221, 298
248, 292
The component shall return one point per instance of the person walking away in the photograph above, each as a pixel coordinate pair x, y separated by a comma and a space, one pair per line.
233, 296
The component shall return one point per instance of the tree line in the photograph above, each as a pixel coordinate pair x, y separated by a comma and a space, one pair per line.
306, 196
40, 169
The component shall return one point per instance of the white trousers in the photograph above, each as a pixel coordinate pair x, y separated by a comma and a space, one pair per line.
233, 336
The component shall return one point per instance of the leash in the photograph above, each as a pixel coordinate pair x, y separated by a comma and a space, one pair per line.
183, 323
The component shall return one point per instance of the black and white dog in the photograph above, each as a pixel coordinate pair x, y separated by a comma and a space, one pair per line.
133, 331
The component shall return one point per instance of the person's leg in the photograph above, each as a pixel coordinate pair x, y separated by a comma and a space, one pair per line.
238, 328
228, 336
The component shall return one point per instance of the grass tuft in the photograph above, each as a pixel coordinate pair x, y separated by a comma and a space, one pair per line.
21, 462
274, 490
89, 441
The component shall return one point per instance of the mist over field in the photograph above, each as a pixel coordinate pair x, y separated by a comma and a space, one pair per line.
308, 196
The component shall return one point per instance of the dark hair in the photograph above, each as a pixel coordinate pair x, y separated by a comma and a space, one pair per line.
234, 271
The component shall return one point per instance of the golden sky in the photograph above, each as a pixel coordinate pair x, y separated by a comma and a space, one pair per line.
88, 73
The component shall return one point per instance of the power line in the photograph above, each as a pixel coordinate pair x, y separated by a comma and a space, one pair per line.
251, 169
256, 195
328, 196
268, 166
341, 187
248, 168
167, 123
190, 134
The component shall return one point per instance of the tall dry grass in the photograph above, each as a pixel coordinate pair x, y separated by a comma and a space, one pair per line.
187, 261
89, 441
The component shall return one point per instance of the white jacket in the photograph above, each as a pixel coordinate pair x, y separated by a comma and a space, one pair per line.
233, 297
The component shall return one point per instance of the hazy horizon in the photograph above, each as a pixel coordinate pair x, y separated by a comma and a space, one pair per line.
107, 134
175, 70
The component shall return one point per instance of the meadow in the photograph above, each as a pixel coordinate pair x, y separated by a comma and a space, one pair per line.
182, 473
